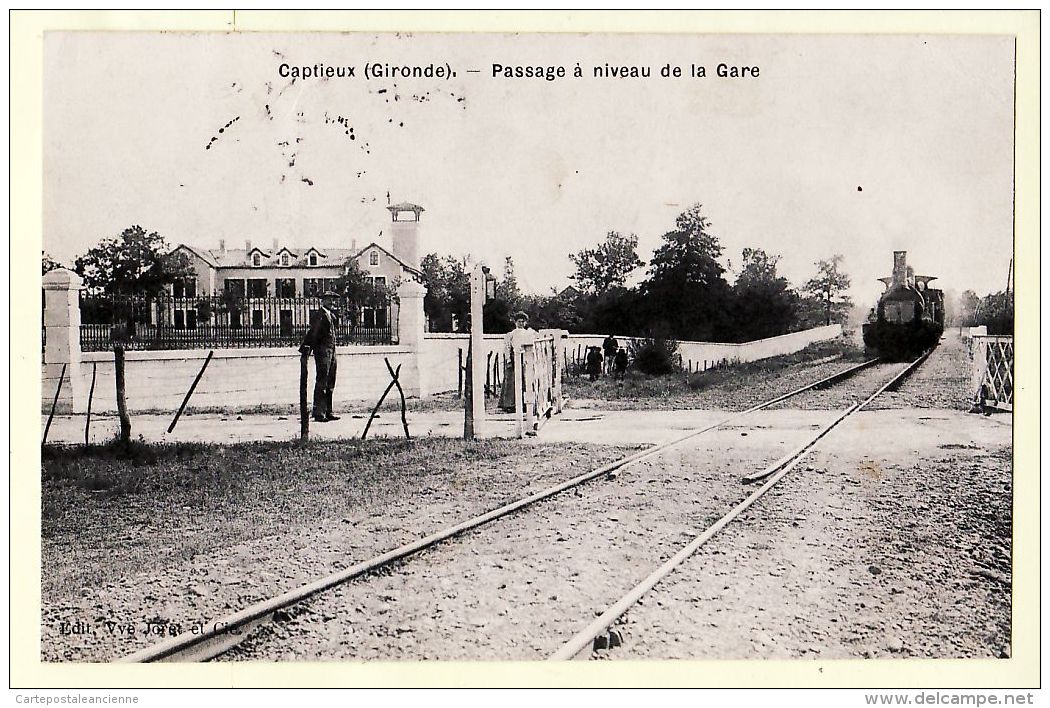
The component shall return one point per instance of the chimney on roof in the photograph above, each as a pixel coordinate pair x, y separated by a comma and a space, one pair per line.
405, 232
247, 245
222, 245
353, 244
275, 245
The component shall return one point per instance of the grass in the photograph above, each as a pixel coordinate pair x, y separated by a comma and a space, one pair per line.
843, 349
437, 402
681, 386
111, 510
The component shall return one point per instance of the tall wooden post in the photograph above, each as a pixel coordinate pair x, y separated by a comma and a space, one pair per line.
518, 383
304, 410
475, 355
459, 372
468, 401
122, 403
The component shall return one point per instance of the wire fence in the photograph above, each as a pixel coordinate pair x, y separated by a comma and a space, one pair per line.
144, 388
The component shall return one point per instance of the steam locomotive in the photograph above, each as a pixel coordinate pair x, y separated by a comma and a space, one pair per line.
909, 317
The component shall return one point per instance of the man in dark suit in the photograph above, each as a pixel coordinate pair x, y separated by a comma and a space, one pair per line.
320, 340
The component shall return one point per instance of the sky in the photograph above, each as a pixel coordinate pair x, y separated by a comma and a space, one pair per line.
852, 145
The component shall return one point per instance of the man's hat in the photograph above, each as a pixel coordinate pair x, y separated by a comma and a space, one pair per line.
521, 316
330, 295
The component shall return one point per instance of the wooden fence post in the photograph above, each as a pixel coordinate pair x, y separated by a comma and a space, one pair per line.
488, 370
122, 403
381, 399
304, 413
468, 399
459, 372
54, 404
189, 393
519, 395
394, 375
91, 395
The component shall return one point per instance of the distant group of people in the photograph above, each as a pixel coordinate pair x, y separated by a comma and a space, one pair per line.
612, 362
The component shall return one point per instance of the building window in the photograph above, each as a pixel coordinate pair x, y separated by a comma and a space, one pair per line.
184, 287
256, 260
284, 259
234, 286
184, 319
312, 286
376, 316
313, 259
373, 258
256, 287
284, 287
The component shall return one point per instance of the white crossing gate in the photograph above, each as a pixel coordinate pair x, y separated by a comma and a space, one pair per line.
992, 377
540, 372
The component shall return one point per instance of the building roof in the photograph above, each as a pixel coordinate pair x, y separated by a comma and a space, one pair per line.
239, 257
390, 255
203, 255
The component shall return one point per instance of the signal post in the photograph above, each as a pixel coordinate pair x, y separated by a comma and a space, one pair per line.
482, 288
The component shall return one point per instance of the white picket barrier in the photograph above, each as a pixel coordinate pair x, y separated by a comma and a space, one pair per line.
540, 372
992, 376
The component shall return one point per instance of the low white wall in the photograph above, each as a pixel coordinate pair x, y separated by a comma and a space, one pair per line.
706, 354
158, 380
440, 357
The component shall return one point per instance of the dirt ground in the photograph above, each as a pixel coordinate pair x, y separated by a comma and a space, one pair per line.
894, 539
881, 554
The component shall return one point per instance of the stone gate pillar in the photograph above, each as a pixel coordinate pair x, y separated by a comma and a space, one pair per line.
62, 323
410, 326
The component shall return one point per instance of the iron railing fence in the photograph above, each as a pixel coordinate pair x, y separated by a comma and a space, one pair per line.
221, 321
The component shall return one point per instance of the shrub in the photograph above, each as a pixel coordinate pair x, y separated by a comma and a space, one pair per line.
655, 356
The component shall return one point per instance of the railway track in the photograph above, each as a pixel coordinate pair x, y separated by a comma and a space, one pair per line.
585, 640
221, 635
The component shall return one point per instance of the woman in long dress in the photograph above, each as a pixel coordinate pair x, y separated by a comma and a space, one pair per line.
510, 357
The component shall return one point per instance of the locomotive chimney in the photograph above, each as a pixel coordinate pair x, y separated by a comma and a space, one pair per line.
900, 268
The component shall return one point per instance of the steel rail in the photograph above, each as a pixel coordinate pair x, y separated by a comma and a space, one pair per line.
584, 639
228, 631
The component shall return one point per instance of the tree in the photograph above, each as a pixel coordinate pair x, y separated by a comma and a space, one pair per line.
134, 263
556, 310
764, 303
359, 290
608, 264
829, 288
996, 312
686, 293
448, 292
49, 264
507, 289
965, 314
